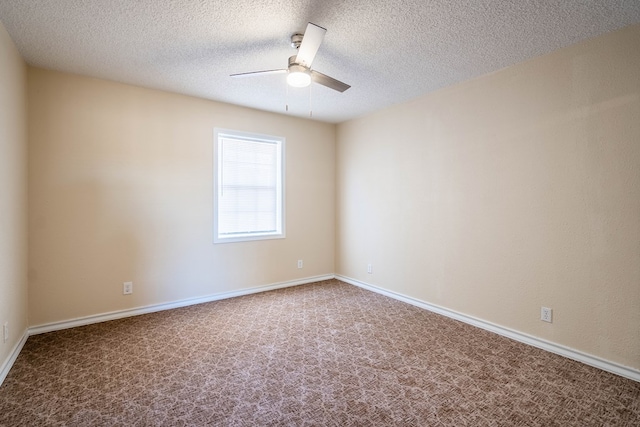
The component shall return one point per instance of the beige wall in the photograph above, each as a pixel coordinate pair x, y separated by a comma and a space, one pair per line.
506, 193
13, 195
491, 198
121, 190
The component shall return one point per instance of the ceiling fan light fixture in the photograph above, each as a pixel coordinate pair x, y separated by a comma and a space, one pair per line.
299, 75
299, 79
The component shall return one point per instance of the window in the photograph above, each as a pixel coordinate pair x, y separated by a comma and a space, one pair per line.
248, 187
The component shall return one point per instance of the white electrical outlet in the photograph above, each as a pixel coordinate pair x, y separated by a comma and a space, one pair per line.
300, 263
369, 268
546, 314
5, 332
127, 288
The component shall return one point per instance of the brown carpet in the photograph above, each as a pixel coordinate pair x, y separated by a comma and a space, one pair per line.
325, 354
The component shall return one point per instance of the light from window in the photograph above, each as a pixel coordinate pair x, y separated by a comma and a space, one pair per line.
249, 183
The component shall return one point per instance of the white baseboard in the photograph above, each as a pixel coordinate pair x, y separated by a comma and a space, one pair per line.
6, 366
113, 315
568, 352
97, 318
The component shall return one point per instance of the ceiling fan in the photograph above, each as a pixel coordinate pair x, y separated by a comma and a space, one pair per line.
299, 72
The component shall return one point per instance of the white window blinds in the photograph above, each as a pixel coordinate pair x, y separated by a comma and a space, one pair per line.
249, 196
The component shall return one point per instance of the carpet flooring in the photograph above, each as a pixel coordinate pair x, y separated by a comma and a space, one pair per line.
324, 354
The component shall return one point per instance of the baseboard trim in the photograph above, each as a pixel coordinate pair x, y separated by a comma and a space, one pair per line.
8, 364
119, 314
568, 352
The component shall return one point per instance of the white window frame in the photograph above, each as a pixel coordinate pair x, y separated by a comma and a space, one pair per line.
279, 233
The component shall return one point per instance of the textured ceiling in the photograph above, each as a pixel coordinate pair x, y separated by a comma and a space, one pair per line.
389, 51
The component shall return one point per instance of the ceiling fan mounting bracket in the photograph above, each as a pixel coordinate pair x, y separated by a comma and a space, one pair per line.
296, 40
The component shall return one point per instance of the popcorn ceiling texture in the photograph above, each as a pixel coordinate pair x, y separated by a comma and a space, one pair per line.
388, 50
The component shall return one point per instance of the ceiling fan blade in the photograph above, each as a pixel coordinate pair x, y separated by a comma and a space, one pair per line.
329, 82
310, 43
259, 73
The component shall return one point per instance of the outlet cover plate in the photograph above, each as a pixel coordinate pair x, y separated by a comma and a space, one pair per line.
127, 288
546, 314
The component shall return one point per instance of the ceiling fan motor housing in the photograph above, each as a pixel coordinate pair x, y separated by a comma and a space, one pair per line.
295, 67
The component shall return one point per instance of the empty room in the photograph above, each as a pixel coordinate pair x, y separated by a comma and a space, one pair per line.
319, 213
